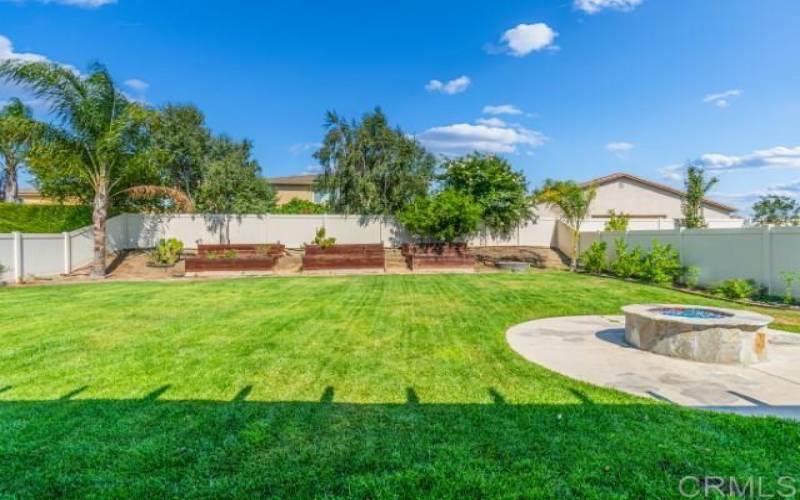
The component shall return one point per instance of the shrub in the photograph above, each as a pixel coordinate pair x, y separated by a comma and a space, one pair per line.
298, 206
661, 265
789, 279
735, 288
322, 240
627, 263
690, 276
230, 254
167, 252
444, 217
593, 259
43, 218
617, 222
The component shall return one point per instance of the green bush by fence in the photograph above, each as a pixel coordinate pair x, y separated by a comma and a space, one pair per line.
43, 218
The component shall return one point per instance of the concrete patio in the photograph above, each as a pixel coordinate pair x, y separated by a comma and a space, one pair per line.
593, 349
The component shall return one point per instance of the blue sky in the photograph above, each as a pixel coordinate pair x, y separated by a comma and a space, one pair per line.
563, 88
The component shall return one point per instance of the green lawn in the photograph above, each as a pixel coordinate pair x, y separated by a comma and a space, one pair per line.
370, 386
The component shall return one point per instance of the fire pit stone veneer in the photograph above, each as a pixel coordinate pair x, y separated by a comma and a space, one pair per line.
706, 334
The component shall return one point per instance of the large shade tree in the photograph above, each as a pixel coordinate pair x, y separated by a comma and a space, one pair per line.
97, 144
231, 184
573, 202
17, 131
776, 209
370, 167
490, 180
184, 144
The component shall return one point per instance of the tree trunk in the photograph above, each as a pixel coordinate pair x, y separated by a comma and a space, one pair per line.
576, 239
10, 185
99, 216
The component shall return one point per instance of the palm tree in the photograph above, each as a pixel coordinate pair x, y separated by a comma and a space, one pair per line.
573, 201
696, 188
99, 137
17, 130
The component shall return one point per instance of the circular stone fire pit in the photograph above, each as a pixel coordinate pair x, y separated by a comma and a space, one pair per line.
706, 334
513, 266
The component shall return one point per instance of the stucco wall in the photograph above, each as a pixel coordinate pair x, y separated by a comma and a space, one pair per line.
285, 193
630, 197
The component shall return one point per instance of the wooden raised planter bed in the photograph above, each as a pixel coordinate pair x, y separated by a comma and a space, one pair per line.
367, 256
238, 257
421, 257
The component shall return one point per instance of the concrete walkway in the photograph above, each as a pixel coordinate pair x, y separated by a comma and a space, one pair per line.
593, 349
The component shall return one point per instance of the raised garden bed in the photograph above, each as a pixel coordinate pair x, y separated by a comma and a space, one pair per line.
420, 257
359, 256
239, 257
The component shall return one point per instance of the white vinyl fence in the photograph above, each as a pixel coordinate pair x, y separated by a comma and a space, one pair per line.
760, 254
52, 254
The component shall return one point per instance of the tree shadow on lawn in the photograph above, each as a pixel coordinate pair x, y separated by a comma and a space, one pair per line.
152, 446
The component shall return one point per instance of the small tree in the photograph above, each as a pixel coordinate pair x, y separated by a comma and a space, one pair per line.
573, 202
777, 210
99, 143
495, 186
17, 131
447, 216
617, 222
696, 188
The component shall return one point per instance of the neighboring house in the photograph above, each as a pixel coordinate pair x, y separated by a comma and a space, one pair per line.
32, 196
644, 200
296, 186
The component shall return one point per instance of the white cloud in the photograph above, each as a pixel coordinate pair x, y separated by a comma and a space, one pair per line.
302, 147
85, 4
7, 53
490, 138
722, 99
502, 109
595, 6
491, 122
777, 157
312, 170
619, 147
136, 84
527, 38
454, 86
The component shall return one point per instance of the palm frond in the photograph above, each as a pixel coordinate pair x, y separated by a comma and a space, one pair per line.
182, 202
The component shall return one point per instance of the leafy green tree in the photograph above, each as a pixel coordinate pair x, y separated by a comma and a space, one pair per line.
777, 210
447, 216
232, 184
183, 141
696, 188
370, 168
99, 143
573, 202
17, 131
495, 186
